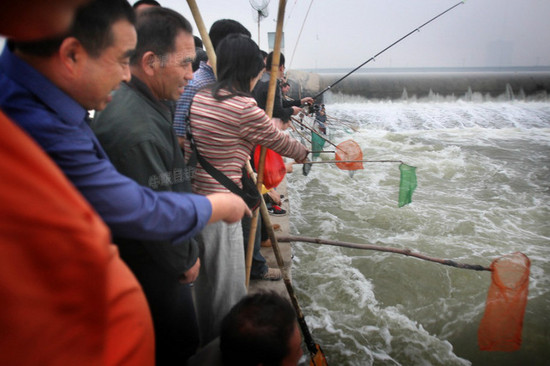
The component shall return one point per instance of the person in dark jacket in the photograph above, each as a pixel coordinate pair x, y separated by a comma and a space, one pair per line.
282, 108
135, 129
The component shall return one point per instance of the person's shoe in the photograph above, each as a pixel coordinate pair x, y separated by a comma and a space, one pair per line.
272, 274
266, 243
276, 211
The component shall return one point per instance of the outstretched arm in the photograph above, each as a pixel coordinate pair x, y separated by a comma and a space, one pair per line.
227, 207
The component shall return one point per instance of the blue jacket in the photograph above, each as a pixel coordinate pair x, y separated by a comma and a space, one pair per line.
60, 125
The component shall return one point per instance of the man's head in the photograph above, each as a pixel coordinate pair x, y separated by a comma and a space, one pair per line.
264, 55
164, 53
198, 42
224, 27
269, 63
261, 329
201, 55
141, 5
91, 60
285, 88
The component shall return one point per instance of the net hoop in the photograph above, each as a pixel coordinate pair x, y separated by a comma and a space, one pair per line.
502, 323
349, 150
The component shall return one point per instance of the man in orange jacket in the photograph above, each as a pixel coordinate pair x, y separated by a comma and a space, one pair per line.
66, 296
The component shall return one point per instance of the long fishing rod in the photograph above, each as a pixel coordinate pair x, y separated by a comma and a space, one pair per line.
407, 252
323, 151
317, 357
316, 353
299, 133
387, 48
308, 164
312, 130
349, 161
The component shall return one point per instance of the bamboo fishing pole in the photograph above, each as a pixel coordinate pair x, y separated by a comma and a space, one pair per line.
406, 252
387, 48
263, 151
204, 34
212, 61
317, 355
501, 326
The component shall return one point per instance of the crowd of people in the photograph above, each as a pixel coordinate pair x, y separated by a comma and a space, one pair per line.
117, 246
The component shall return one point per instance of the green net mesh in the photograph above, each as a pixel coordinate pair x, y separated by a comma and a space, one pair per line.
317, 144
407, 184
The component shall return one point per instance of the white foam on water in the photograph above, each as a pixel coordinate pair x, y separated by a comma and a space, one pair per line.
483, 191
353, 341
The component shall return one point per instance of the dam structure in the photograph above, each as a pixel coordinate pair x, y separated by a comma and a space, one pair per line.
471, 84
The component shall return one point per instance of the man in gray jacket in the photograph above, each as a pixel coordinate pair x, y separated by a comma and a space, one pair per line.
135, 129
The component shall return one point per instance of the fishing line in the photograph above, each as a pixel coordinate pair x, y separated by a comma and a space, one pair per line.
300, 134
291, 11
312, 130
387, 48
299, 34
345, 123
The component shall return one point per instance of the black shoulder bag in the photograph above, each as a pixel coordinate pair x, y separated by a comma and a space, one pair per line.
249, 193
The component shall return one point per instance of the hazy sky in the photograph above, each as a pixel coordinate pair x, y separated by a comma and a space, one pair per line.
345, 33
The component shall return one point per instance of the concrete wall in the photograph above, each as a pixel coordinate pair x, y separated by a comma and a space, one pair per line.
393, 85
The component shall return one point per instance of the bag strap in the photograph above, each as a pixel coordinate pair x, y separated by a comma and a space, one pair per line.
210, 169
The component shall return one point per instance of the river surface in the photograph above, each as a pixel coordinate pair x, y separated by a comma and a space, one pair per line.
483, 169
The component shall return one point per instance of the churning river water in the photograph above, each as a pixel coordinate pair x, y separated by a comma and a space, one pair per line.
483, 169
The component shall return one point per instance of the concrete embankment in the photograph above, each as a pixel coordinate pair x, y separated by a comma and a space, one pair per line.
397, 85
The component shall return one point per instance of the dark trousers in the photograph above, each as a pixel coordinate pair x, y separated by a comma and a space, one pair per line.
259, 265
171, 304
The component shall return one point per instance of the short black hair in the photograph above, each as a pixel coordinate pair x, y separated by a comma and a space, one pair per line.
238, 62
198, 42
157, 29
200, 55
92, 26
145, 2
269, 61
257, 330
224, 27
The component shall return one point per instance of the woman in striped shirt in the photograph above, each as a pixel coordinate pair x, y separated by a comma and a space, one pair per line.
226, 124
